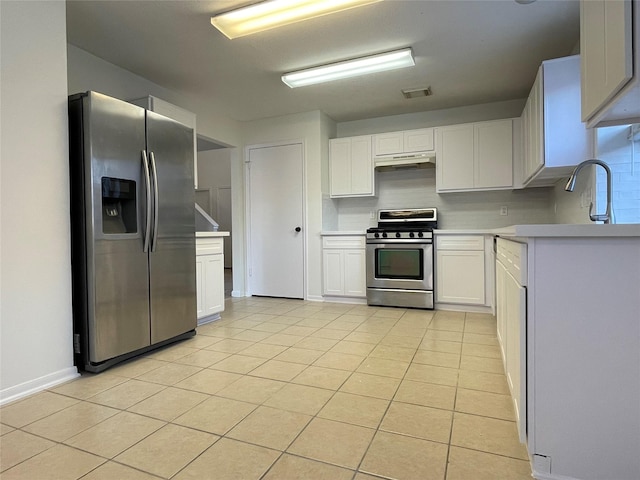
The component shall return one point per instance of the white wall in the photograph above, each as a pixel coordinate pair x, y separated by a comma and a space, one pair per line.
88, 72
467, 210
434, 118
214, 172
416, 188
573, 207
36, 322
623, 157
314, 128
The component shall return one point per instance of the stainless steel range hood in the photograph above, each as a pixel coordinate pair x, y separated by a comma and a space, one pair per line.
405, 161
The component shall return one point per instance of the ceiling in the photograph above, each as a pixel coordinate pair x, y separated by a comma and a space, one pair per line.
468, 52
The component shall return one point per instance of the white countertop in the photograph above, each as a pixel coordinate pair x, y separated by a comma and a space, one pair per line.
563, 230
533, 230
460, 231
211, 234
342, 232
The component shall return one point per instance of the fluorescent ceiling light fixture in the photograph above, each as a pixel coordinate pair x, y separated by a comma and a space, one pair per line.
276, 13
350, 68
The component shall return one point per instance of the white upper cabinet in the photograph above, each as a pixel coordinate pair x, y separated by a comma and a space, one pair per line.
610, 64
454, 158
407, 141
555, 139
475, 156
351, 167
493, 147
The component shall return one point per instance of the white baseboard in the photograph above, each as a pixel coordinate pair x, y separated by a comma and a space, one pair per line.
315, 298
350, 300
238, 293
455, 307
208, 319
550, 476
36, 385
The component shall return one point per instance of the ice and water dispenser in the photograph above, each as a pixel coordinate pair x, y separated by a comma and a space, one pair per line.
119, 209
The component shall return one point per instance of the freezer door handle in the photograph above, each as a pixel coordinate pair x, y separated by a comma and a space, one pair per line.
147, 185
154, 174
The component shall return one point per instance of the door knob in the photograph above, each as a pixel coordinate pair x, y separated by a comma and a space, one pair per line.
298, 229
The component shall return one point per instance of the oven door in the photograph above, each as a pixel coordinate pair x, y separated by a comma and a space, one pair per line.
407, 266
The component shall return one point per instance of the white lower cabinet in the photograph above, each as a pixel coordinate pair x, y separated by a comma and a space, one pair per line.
511, 304
209, 276
460, 269
344, 267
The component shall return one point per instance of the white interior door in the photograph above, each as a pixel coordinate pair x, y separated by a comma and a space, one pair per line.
223, 206
276, 238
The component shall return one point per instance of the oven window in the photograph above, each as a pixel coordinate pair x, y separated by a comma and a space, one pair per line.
403, 263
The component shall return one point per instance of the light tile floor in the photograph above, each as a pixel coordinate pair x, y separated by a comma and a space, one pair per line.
284, 389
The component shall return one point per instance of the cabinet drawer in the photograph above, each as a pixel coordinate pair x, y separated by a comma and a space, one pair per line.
343, 241
459, 242
209, 246
513, 256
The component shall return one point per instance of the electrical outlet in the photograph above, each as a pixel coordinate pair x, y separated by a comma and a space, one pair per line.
371, 215
504, 210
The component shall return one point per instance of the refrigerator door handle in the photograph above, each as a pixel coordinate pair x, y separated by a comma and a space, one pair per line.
154, 173
147, 184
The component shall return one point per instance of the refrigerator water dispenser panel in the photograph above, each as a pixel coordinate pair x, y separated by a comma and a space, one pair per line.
119, 206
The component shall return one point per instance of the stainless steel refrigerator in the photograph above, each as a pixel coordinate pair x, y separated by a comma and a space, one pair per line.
133, 233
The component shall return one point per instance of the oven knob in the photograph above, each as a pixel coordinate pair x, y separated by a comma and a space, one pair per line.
420, 234
377, 235
397, 234
411, 235
384, 235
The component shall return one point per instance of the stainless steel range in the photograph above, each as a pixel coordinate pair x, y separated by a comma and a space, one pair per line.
400, 258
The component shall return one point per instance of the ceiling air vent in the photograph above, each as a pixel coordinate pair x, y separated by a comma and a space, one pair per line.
417, 92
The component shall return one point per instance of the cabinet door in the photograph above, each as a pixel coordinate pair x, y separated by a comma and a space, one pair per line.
418, 140
606, 52
493, 165
361, 166
340, 166
454, 165
200, 296
214, 284
332, 261
501, 310
388, 143
516, 349
355, 277
534, 156
460, 277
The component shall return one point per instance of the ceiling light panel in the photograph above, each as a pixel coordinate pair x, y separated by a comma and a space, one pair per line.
276, 13
350, 68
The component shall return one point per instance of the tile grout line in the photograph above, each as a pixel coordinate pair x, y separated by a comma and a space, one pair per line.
287, 382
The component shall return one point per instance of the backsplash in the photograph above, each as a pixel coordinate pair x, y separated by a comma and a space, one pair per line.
468, 210
621, 151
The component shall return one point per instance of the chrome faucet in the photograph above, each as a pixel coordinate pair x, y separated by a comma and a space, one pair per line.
571, 184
